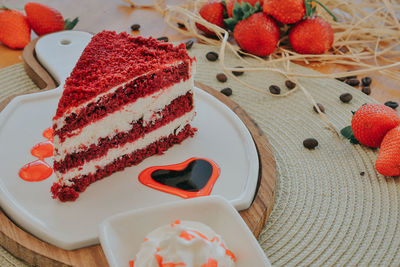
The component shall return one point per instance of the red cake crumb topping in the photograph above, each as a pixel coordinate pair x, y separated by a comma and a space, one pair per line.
71, 193
111, 59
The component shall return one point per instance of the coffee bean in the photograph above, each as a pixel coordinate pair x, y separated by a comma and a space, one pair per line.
342, 79
238, 73
346, 97
212, 56
163, 38
353, 82
227, 91
351, 77
189, 44
366, 90
274, 89
310, 143
362, 173
135, 27
366, 81
321, 107
392, 104
181, 25
290, 85
221, 77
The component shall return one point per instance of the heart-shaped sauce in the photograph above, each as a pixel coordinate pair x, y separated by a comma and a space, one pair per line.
192, 178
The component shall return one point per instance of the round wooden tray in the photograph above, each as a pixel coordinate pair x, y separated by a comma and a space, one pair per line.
36, 252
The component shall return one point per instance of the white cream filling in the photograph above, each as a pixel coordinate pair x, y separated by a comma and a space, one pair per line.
60, 122
128, 148
120, 121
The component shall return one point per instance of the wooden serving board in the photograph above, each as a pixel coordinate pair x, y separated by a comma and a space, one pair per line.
36, 252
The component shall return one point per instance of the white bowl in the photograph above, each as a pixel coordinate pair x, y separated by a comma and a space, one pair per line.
121, 235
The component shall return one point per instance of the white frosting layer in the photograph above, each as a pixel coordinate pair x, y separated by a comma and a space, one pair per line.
128, 148
120, 120
60, 122
169, 243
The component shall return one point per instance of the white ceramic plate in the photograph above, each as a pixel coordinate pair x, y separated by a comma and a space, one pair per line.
122, 234
222, 137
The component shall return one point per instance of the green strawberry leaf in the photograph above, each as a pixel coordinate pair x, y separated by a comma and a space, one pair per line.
348, 133
69, 25
241, 12
237, 11
4, 7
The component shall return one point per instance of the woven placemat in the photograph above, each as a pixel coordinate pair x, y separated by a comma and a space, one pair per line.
325, 211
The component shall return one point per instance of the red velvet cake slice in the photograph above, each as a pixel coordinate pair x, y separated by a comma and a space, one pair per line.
127, 99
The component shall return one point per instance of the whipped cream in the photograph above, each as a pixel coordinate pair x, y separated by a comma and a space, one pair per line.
184, 243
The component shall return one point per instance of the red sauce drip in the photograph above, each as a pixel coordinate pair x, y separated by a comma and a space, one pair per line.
183, 179
48, 134
43, 149
35, 171
39, 170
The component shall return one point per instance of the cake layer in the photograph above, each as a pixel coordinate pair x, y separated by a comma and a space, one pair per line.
129, 93
136, 129
128, 148
121, 120
111, 59
71, 192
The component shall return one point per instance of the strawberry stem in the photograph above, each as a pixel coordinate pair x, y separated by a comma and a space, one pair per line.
310, 9
326, 9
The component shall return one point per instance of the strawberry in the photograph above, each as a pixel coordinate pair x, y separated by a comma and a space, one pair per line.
15, 31
371, 122
44, 19
257, 34
388, 161
311, 36
212, 12
285, 11
231, 3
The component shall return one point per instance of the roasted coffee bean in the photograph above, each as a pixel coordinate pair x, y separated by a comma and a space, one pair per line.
351, 77
238, 73
342, 79
366, 81
274, 89
310, 143
212, 56
163, 38
290, 85
362, 173
181, 25
227, 91
346, 97
353, 82
221, 77
392, 104
135, 27
366, 90
321, 107
189, 44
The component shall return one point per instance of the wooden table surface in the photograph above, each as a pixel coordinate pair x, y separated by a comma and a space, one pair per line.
97, 15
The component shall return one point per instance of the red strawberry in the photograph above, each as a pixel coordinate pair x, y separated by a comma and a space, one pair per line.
212, 12
15, 31
285, 11
371, 122
257, 34
388, 161
311, 36
231, 3
44, 19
